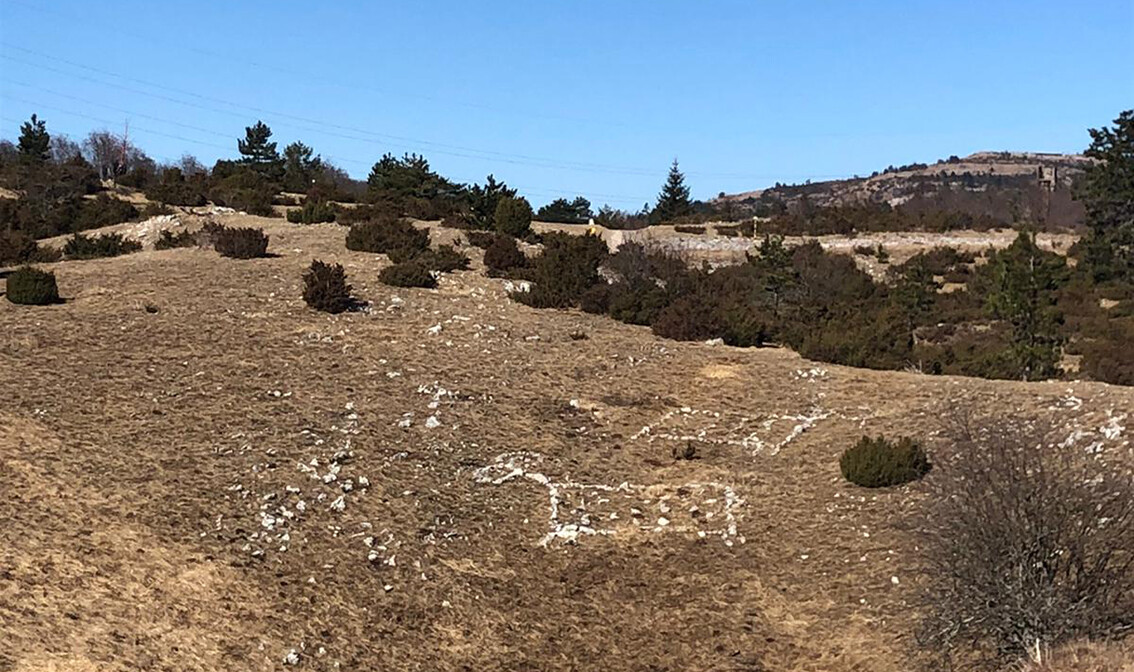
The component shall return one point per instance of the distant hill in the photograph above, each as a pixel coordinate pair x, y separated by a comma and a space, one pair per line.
1010, 186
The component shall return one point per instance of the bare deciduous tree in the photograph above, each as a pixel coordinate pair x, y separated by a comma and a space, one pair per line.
63, 149
1028, 541
112, 155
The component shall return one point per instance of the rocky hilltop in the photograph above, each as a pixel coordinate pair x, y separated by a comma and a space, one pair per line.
1029, 187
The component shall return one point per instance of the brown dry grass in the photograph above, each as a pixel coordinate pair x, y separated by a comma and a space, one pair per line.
139, 452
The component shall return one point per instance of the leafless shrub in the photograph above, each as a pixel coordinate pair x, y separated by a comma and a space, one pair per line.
1028, 542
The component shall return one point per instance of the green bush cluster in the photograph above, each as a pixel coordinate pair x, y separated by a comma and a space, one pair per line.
173, 188
408, 274
384, 235
325, 288
312, 212
32, 287
240, 242
879, 462
481, 239
513, 217
16, 247
565, 269
503, 257
80, 246
168, 240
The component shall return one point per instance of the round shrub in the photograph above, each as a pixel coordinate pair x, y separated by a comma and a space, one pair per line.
79, 246
514, 216
241, 243
408, 274
879, 462
312, 212
32, 287
481, 239
386, 234
444, 259
503, 256
325, 288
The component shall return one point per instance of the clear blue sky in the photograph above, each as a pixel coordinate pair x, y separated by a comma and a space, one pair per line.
592, 97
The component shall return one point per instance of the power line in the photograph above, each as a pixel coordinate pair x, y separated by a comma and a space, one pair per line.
440, 148
538, 191
353, 86
415, 143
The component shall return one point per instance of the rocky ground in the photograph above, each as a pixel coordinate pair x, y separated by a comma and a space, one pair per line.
197, 472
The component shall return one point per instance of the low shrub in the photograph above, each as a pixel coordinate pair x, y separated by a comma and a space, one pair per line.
312, 212
445, 259
727, 231
481, 239
1110, 357
503, 256
32, 287
455, 220
105, 245
168, 241
386, 234
174, 188
153, 209
879, 462
1024, 543
102, 211
693, 317
240, 242
408, 274
513, 216
564, 271
596, 300
16, 247
380, 211
325, 288
687, 228
245, 191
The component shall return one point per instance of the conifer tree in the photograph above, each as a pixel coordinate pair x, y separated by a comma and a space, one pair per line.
1022, 293
673, 201
258, 151
301, 167
34, 143
1108, 194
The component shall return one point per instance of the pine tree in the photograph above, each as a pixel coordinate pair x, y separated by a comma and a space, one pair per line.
483, 202
775, 265
673, 201
1022, 292
563, 211
258, 152
915, 292
1108, 194
34, 143
301, 167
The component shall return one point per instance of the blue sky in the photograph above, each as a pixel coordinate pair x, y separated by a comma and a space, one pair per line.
591, 97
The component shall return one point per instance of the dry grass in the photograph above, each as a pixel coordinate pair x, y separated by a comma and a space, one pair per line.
140, 452
1087, 657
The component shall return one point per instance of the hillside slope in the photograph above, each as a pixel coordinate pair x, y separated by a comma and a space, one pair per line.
1009, 186
200, 473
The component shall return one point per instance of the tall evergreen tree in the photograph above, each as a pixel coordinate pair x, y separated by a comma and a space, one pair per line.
1108, 194
1022, 292
258, 152
774, 263
34, 143
914, 293
301, 167
483, 201
673, 201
